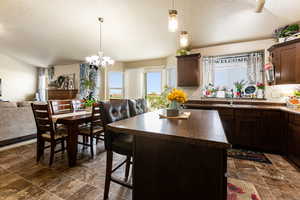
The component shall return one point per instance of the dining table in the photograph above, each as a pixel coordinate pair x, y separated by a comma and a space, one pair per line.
72, 121
177, 158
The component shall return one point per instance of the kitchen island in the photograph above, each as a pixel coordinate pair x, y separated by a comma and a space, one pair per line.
177, 159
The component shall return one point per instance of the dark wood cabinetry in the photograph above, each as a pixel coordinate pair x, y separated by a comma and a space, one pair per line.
62, 94
293, 138
286, 61
188, 74
228, 122
247, 129
271, 131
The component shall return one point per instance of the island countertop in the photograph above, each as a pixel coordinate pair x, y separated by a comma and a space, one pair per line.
204, 127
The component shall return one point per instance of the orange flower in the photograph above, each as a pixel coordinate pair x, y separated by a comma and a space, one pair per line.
177, 95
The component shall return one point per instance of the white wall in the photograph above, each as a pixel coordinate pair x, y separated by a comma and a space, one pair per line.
19, 80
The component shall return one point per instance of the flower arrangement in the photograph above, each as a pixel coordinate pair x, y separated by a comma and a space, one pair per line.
260, 86
210, 90
177, 95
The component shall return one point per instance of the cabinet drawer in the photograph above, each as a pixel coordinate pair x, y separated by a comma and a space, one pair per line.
247, 113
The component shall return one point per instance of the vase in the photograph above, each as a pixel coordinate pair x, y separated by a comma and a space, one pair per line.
260, 93
173, 111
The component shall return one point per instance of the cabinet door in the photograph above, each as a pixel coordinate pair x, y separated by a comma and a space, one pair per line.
247, 128
272, 127
227, 118
286, 64
188, 74
294, 143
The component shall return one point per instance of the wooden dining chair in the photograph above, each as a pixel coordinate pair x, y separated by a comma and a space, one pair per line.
61, 106
94, 130
46, 131
116, 142
137, 106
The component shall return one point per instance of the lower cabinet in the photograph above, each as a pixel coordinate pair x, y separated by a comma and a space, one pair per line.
272, 132
247, 128
228, 122
293, 141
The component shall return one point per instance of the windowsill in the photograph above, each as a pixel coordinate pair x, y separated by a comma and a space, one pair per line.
235, 98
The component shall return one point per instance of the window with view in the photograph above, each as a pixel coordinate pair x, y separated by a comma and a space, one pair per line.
153, 83
223, 71
115, 84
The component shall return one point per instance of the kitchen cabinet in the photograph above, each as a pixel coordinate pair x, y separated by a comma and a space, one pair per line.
188, 73
293, 139
286, 61
272, 132
247, 128
228, 122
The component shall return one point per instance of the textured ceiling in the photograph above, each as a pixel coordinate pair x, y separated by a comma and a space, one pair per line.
46, 32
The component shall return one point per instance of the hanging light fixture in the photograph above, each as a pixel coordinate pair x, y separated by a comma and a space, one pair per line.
173, 21
260, 5
184, 39
99, 60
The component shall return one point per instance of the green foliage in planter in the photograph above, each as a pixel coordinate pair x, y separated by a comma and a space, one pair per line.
159, 101
89, 102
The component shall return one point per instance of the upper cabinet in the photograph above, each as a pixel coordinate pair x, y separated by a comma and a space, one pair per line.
188, 74
286, 61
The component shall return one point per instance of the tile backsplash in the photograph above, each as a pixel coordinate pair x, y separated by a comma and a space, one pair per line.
280, 92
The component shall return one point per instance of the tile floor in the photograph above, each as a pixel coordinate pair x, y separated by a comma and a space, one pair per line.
22, 178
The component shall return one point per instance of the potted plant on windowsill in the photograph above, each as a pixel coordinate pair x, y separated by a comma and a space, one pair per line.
239, 85
177, 98
260, 90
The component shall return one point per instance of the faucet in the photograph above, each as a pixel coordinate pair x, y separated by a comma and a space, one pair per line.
231, 100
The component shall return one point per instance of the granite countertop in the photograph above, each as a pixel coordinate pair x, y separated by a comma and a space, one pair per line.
242, 104
206, 128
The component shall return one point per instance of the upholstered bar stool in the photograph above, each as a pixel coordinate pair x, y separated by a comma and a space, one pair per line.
137, 106
116, 142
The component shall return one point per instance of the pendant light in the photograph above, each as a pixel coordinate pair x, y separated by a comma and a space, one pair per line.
184, 39
99, 60
260, 5
173, 18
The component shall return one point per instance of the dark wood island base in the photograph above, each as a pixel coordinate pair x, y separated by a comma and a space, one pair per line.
177, 171
177, 159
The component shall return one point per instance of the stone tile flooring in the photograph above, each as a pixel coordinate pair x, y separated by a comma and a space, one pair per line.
22, 178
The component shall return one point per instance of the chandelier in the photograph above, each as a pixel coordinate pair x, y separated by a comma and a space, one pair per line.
99, 60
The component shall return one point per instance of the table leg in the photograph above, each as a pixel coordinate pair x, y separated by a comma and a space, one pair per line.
72, 144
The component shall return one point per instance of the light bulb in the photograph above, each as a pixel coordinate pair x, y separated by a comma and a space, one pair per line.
184, 39
173, 21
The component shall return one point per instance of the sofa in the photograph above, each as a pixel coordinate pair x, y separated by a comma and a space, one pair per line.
16, 122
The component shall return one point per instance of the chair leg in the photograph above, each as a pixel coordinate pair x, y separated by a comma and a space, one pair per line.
40, 149
127, 169
92, 146
109, 162
63, 146
53, 144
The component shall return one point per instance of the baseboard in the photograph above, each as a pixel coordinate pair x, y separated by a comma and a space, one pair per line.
17, 140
